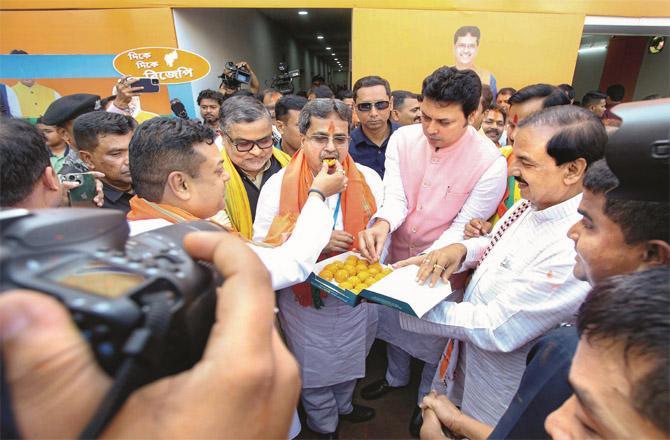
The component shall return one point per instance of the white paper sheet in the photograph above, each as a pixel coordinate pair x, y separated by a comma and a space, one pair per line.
401, 285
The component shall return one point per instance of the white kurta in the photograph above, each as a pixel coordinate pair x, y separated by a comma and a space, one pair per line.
293, 261
522, 289
330, 343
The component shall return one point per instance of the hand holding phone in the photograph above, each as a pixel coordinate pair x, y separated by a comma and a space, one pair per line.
85, 191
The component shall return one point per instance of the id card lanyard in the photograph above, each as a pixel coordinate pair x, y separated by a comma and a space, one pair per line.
337, 210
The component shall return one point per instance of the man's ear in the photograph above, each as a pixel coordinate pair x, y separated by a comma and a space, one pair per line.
86, 157
574, 171
179, 185
50, 179
280, 126
657, 253
395, 115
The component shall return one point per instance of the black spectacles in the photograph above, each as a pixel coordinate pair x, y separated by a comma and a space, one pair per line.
245, 145
367, 106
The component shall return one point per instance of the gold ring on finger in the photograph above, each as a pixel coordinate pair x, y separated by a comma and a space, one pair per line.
437, 266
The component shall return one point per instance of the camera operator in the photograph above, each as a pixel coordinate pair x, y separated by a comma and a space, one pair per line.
27, 179
229, 87
245, 386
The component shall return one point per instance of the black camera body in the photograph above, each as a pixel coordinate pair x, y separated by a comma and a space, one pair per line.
233, 76
283, 81
114, 285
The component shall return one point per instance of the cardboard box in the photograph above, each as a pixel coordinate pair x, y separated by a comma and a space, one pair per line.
398, 290
331, 288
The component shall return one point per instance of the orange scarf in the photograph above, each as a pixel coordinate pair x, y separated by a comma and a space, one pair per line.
357, 202
142, 209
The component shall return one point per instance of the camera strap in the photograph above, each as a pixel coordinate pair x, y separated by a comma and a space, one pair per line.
137, 352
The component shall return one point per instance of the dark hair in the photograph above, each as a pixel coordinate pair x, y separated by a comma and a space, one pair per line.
286, 103
322, 91
579, 134
568, 90
104, 102
18, 52
211, 94
465, 30
652, 97
89, 126
592, 97
487, 96
399, 97
507, 91
616, 92
161, 146
639, 221
322, 108
450, 85
552, 95
23, 158
242, 109
371, 81
344, 94
634, 310
497, 108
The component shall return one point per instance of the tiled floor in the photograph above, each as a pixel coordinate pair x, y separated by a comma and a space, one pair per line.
393, 410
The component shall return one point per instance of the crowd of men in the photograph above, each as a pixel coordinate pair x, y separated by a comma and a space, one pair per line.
539, 213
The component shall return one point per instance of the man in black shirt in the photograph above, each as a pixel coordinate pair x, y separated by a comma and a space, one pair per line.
102, 139
372, 98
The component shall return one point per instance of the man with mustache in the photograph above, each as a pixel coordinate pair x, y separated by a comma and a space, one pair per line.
522, 104
102, 139
406, 108
523, 284
372, 104
438, 174
493, 124
329, 338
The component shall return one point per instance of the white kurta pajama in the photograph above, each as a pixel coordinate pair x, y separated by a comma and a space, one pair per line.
330, 343
523, 288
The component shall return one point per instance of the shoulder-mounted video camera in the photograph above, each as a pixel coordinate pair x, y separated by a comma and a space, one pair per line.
283, 81
233, 76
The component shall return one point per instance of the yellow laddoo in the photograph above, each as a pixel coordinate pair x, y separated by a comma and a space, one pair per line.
341, 275
326, 274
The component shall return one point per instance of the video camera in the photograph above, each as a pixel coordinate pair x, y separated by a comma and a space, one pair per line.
283, 81
142, 297
233, 76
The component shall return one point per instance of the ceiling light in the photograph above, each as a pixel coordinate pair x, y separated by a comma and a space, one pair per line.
303, 12
592, 49
335, 59
328, 48
319, 37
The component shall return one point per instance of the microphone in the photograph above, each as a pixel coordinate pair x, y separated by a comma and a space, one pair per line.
178, 108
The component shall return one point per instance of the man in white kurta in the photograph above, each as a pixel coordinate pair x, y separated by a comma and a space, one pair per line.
330, 342
523, 284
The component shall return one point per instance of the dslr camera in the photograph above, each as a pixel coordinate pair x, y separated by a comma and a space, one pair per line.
283, 81
142, 297
233, 76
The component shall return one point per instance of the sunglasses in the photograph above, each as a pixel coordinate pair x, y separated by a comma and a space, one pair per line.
244, 145
367, 106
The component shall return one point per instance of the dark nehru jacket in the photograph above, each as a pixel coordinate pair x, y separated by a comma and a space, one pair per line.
253, 192
362, 150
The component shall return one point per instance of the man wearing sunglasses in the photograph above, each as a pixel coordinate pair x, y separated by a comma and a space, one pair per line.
249, 158
373, 104
437, 173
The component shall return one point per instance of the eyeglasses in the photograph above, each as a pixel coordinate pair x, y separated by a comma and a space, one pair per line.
244, 145
322, 140
367, 106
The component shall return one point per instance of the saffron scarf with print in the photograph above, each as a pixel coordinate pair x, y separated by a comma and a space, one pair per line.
357, 203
